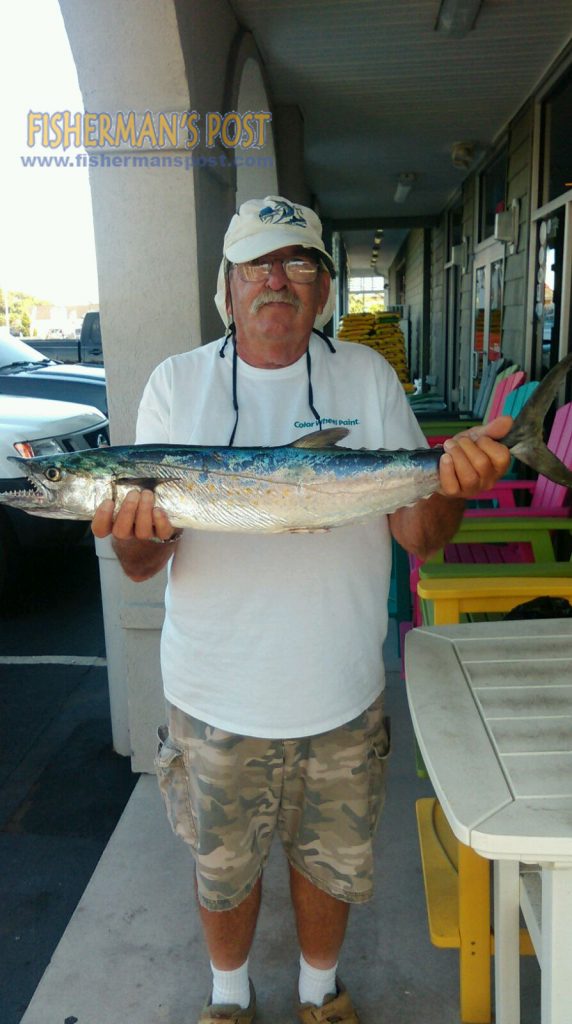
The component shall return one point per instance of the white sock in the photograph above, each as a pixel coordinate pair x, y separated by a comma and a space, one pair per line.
231, 986
314, 985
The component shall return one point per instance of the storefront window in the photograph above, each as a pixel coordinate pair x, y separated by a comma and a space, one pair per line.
492, 194
488, 283
455, 226
557, 176
549, 287
367, 294
479, 334
495, 310
452, 306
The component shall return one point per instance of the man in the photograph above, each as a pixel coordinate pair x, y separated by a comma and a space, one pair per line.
271, 650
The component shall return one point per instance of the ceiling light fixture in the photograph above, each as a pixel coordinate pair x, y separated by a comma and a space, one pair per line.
462, 155
405, 183
457, 17
376, 244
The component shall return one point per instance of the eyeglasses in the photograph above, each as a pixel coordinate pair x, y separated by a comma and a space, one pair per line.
296, 268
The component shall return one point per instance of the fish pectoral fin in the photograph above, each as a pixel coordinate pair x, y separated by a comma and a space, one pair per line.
146, 483
321, 438
143, 483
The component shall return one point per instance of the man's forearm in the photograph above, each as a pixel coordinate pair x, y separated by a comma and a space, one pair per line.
427, 526
142, 559
472, 462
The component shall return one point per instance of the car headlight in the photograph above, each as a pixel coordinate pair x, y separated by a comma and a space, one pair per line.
45, 446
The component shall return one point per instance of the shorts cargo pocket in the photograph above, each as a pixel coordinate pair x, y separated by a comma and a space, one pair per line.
378, 754
173, 783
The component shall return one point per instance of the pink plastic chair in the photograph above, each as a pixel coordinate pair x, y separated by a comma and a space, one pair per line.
503, 388
546, 499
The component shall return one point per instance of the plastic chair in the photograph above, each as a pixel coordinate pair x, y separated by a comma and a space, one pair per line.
451, 598
508, 534
492, 374
507, 380
545, 497
457, 882
488, 542
513, 404
516, 400
504, 387
549, 502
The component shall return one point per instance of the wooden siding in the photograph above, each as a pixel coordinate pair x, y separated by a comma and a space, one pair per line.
516, 265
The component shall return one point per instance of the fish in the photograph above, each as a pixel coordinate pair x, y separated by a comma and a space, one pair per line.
312, 484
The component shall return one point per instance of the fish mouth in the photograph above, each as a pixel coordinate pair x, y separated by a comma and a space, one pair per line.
30, 494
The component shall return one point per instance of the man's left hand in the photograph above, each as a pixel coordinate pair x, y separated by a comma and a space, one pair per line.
474, 460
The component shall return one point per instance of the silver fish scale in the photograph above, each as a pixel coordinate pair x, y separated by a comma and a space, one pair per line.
247, 503
217, 503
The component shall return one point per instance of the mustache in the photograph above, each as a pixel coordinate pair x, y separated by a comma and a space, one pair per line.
268, 295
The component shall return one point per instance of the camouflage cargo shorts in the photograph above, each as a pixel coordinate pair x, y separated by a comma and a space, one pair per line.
226, 795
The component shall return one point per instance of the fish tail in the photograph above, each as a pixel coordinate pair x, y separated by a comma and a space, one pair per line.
525, 438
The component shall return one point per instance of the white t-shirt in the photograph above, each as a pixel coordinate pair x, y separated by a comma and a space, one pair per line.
277, 635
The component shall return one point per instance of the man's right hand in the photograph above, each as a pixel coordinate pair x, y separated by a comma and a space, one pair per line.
137, 519
137, 524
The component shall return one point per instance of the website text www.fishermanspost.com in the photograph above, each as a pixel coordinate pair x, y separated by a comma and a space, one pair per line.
149, 160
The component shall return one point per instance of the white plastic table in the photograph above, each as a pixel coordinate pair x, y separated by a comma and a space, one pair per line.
491, 705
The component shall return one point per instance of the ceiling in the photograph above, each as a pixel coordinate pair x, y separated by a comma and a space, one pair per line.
383, 93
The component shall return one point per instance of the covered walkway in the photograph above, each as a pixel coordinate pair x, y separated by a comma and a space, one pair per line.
133, 954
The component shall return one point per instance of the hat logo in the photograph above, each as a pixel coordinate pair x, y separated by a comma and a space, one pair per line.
282, 213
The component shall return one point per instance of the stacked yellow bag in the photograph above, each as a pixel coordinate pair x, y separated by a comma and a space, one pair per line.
382, 332
357, 327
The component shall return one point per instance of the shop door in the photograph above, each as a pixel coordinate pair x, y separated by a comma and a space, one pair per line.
550, 290
452, 291
488, 280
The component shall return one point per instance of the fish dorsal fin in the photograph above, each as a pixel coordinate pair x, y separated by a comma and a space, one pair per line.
321, 438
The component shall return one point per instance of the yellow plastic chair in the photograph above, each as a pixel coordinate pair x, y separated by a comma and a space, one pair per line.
457, 880
452, 598
457, 892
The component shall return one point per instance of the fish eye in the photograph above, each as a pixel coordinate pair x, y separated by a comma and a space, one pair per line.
53, 474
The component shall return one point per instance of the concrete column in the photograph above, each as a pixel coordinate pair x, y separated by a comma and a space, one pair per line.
289, 136
133, 617
128, 58
158, 230
256, 177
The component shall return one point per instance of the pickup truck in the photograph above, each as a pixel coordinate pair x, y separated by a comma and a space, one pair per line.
24, 371
85, 349
39, 426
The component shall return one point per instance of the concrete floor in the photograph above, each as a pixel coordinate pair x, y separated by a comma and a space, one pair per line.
133, 952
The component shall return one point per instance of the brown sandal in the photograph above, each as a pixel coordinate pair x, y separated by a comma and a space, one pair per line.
336, 1009
231, 1013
